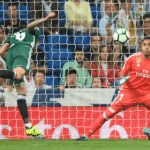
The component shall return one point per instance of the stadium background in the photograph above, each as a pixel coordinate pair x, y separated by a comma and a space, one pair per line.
72, 121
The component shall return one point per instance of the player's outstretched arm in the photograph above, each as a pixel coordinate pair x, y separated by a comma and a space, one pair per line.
4, 48
36, 22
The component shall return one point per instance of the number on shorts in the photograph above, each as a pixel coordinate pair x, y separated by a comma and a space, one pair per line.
121, 96
20, 36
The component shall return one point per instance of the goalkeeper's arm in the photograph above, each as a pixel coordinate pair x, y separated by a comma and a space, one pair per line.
124, 79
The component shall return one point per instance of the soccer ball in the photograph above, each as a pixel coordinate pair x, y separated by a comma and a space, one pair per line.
121, 36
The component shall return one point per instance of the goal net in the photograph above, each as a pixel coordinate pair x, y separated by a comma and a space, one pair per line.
78, 38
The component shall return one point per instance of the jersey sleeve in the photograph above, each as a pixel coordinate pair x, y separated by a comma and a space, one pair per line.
114, 18
127, 66
37, 32
7, 40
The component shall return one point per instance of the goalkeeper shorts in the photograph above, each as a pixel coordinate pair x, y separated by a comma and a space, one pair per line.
132, 98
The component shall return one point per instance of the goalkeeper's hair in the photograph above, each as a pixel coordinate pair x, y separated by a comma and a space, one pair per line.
146, 38
146, 16
143, 19
70, 71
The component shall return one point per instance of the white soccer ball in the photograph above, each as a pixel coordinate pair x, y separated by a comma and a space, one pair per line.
121, 36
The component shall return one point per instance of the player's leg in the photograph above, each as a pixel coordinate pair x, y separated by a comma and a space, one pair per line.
7, 74
121, 102
146, 103
20, 67
18, 61
22, 106
10, 74
15, 65
16, 74
108, 114
21, 101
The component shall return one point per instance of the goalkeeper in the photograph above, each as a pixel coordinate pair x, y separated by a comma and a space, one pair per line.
19, 47
136, 89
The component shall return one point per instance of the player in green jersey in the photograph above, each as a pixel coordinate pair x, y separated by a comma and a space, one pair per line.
19, 47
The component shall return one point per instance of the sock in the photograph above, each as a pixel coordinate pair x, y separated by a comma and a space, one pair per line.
8, 74
108, 114
148, 125
28, 125
97, 124
22, 106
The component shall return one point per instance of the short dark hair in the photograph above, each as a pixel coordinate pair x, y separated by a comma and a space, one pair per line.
79, 49
70, 71
97, 77
22, 27
143, 18
100, 80
124, 1
116, 2
39, 71
146, 16
12, 4
96, 34
146, 38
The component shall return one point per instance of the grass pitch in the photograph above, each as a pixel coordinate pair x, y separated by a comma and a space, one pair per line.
96, 144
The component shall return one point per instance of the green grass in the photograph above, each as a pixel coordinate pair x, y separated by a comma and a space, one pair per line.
97, 144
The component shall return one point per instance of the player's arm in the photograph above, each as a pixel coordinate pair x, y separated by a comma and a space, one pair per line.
36, 22
4, 48
125, 71
108, 25
108, 29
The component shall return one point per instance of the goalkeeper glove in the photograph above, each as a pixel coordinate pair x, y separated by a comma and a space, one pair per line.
124, 79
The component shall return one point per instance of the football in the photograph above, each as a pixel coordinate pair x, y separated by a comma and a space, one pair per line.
121, 36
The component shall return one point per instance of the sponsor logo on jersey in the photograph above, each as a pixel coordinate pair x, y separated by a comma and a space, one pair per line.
138, 61
144, 74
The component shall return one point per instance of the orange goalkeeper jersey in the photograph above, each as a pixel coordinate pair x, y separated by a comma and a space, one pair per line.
138, 68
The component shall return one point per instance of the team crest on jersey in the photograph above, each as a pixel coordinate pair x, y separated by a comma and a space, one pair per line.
138, 61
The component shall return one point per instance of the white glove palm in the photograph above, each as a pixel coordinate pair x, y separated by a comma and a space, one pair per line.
124, 79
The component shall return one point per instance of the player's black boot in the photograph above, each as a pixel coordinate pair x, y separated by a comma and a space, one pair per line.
83, 138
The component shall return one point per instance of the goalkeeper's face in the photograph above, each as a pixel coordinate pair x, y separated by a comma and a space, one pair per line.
146, 47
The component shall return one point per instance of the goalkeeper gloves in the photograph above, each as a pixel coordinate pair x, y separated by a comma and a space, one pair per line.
124, 79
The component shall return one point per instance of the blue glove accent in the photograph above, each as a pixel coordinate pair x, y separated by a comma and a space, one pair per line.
124, 79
